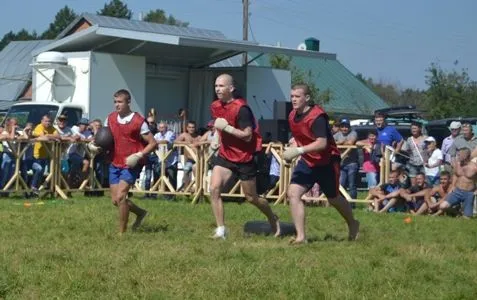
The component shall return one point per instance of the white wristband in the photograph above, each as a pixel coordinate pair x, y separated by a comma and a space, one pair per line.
300, 150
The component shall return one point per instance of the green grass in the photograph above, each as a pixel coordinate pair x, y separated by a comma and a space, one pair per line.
71, 250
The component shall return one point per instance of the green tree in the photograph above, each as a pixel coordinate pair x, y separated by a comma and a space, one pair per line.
392, 94
159, 16
298, 76
22, 35
63, 18
450, 93
117, 9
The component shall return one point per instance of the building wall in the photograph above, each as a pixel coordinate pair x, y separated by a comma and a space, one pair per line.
264, 87
166, 90
111, 72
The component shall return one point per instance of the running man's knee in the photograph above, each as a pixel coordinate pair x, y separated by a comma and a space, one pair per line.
214, 190
294, 195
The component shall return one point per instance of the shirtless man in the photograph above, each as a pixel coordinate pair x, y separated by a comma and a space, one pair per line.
437, 195
465, 174
415, 195
189, 137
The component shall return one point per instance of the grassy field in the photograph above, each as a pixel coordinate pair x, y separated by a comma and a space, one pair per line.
71, 250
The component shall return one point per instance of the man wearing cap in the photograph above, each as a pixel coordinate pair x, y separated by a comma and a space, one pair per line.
62, 127
448, 141
349, 164
466, 140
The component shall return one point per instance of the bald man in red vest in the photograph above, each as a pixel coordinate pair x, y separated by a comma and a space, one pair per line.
319, 161
239, 140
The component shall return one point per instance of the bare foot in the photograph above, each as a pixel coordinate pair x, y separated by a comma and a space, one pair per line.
275, 224
295, 242
353, 231
139, 220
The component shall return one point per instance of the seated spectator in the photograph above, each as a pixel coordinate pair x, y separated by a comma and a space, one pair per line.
434, 162
436, 195
415, 195
404, 180
465, 173
387, 196
371, 157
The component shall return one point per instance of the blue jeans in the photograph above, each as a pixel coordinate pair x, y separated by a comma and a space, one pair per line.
151, 167
8, 166
38, 171
372, 179
348, 175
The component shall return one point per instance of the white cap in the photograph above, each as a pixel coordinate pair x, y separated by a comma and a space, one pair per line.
430, 139
455, 125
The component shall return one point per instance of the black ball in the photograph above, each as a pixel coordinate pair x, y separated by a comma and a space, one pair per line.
104, 139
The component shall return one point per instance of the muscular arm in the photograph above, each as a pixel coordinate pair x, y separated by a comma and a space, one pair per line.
320, 129
245, 124
151, 143
420, 193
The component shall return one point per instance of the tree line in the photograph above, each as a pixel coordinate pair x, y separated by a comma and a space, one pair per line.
66, 15
448, 93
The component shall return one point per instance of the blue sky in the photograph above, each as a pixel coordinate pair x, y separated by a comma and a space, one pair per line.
390, 41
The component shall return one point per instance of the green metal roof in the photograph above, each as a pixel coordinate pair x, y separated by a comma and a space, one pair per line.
348, 94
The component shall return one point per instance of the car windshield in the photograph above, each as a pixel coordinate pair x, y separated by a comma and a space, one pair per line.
31, 113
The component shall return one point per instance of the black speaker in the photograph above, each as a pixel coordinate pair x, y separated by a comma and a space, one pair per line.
281, 110
279, 130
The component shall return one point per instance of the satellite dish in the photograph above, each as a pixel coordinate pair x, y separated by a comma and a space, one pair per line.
302, 46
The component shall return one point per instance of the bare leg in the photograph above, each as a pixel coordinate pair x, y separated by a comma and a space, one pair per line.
119, 194
390, 204
250, 190
343, 207
423, 209
297, 208
219, 178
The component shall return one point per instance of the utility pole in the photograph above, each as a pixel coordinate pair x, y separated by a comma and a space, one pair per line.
245, 28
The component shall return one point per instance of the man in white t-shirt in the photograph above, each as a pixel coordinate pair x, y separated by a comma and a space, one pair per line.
432, 167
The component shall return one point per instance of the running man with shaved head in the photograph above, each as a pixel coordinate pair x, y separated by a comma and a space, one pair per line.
240, 140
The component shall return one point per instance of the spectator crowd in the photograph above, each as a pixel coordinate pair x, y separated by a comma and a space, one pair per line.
423, 178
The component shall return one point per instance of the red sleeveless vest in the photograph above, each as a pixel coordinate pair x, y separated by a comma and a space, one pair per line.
303, 135
127, 138
231, 147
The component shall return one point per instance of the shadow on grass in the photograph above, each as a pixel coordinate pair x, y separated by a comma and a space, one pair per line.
327, 238
153, 228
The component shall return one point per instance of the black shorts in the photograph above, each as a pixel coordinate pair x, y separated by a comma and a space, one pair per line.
244, 171
327, 176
